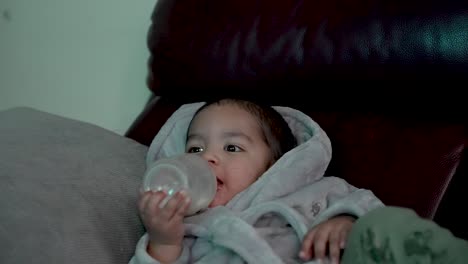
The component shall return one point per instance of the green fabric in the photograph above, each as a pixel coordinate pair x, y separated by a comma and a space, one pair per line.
398, 235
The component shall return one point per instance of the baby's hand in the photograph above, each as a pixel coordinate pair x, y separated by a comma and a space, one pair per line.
333, 232
164, 225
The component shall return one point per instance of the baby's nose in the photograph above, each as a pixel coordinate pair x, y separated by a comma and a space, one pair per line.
210, 157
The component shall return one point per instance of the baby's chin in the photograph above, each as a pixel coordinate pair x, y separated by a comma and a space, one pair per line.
217, 201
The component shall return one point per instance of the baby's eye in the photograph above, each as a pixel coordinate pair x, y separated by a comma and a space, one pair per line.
232, 148
194, 149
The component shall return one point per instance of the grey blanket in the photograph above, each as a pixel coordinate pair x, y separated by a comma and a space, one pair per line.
68, 190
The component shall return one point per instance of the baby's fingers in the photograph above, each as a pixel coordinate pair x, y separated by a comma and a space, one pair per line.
180, 213
344, 237
148, 200
174, 205
305, 252
142, 202
334, 247
154, 201
320, 243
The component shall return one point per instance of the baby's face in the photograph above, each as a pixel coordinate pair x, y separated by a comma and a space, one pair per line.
230, 139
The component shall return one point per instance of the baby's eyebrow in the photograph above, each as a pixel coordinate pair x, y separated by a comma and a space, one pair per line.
238, 134
194, 137
227, 134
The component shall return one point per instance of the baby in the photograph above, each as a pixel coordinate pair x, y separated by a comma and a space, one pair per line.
270, 180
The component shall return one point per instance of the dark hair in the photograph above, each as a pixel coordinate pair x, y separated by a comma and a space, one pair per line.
276, 132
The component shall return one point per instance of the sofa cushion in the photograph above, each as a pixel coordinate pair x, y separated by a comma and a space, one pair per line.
68, 190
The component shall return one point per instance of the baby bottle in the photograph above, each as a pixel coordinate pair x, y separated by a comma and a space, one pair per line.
187, 171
